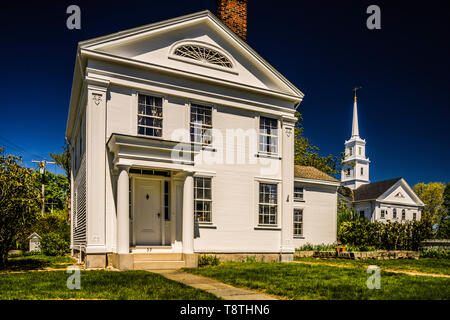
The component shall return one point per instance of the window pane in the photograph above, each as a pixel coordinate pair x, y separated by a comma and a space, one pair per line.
149, 115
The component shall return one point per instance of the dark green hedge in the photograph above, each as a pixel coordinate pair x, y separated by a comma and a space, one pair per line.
384, 235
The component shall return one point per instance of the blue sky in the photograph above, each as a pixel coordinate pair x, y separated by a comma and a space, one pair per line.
323, 47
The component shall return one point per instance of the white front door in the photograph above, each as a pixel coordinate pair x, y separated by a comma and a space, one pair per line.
147, 212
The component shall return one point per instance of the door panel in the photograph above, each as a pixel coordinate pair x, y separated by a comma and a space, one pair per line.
147, 224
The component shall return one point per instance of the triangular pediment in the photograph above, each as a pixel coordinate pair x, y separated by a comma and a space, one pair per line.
157, 44
401, 193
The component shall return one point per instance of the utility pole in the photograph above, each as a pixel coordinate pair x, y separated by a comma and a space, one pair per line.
42, 165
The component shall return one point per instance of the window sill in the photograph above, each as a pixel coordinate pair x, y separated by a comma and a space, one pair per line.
299, 200
270, 156
299, 237
204, 147
274, 228
207, 226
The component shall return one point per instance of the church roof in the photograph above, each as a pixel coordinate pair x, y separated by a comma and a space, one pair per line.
373, 190
308, 172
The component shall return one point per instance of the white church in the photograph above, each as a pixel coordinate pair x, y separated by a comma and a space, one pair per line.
388, 200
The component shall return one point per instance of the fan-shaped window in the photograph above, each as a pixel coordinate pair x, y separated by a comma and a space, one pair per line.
203, 54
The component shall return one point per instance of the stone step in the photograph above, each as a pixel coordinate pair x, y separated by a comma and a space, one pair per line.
158, 256
153, 265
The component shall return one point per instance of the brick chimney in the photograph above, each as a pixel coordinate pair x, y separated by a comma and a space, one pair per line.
233, 14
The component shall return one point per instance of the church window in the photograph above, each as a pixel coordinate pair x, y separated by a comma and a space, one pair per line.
350, 150
394, 214
362, 171
403, 214
348, 172
359, 150
203, 54
414, 216
382, 214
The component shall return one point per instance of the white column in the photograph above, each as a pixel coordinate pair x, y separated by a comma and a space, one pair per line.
287, 188
123, 217
188, 214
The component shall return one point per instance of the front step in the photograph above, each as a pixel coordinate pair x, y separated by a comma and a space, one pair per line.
153, 265
158, 256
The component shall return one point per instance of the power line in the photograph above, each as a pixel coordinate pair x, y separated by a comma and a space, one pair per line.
19, 148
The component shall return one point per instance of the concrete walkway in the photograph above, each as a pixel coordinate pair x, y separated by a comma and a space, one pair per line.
219, 289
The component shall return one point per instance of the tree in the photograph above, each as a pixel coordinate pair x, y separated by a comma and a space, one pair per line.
19, 204
56, 187
443, 231
63, 160
306, 154
345, 212
432, 196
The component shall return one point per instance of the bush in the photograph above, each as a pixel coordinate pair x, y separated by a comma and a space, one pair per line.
332, 247
384, 235
53, 244
435, 253
205, 261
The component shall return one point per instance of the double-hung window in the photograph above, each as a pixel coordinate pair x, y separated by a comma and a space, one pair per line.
150, 115
298, 193
268, 204
298, 222
202, 199
382, 214
201, 124
268, 135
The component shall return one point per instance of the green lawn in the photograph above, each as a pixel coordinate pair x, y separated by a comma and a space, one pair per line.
112, 285
35, 262
99, 284
302, 281
425, 265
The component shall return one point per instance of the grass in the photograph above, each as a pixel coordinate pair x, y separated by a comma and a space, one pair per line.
37, 262
425, 265
99, 284
302, 281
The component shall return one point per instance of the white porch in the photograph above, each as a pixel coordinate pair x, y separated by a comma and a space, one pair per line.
154, 200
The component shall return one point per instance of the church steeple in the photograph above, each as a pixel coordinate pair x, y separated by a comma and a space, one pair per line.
355, 128
355, 170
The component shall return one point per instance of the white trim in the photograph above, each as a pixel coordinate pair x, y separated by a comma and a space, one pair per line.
314, 181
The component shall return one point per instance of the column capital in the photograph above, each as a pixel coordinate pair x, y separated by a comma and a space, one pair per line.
123, 167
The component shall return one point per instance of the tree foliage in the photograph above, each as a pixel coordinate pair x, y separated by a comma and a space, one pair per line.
345, 212
56, 189
307, 154
432, 195
63, 160
18, 203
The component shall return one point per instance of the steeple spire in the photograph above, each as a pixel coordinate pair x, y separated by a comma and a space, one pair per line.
355, 128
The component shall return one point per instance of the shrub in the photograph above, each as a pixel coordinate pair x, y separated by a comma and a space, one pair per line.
205, 261
53, 244
435, 253
384, 235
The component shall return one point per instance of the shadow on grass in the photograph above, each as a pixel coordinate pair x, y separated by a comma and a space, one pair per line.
26, 264
36, 262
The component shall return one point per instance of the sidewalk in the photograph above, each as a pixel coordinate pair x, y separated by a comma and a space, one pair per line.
217, 288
